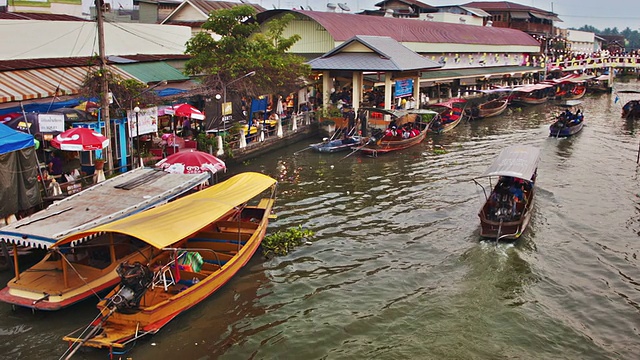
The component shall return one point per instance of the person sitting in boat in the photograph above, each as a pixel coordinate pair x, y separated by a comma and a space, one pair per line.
579, 116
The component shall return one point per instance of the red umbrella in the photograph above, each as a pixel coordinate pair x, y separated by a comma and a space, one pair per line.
189, 111
80, 139
191, 162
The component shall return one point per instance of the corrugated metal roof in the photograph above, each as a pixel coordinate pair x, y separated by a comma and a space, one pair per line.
476, 11
343, 26
386, 55
207, 6
508, 6
24, 64
472, 73
42, 83
408, 2
149, 72
38, 16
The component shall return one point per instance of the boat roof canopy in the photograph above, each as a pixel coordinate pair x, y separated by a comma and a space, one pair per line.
519, 161
162, 226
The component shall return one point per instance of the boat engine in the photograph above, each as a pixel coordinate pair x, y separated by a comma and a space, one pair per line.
135, 279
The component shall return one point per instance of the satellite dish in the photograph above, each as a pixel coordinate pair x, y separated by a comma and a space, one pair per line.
309, 7
344, 7
332, 6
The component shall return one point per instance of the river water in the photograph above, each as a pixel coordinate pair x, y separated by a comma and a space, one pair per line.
396, 268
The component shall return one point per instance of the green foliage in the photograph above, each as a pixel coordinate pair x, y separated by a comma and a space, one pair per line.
282, 242
124, 91
243, 48
204, 141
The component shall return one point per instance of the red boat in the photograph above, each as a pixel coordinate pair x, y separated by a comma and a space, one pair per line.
450, 115
405, 129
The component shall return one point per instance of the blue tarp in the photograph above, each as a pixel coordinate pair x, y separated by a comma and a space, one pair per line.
258, 105
13, 140
41, 107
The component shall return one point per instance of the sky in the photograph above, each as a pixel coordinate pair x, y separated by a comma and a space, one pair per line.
574, 13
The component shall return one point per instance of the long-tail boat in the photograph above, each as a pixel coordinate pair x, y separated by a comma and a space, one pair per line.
198, 243
450, 114
568, 123
74, 273
405, 129
507, 209
531, 94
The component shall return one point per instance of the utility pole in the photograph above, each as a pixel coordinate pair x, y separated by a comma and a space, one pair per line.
104, 83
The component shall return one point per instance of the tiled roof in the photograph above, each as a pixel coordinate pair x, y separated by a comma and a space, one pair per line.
343, 26
38, 16
386, 55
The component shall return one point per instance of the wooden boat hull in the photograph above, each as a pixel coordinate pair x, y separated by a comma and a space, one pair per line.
446, 127
492, 108
226, 244
577, 93
505, 230
43, 286
530, 100
336, 145
558, 130
392, 145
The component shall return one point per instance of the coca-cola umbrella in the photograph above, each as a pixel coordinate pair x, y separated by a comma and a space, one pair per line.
191, 162
80, 139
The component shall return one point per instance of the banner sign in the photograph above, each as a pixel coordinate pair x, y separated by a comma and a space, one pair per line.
147, 121
227, 108
51, 123
404, 88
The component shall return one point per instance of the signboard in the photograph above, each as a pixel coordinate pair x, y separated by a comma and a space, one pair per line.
147, 121
49, 123
227, 108
404, 88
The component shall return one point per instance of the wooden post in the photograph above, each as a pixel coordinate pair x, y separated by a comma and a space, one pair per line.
15, 261
104, 84
112, 248
64, 270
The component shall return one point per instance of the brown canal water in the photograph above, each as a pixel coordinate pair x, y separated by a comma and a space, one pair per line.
397, 270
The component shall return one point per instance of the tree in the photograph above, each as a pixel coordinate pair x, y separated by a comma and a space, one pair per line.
242, 48
124, 90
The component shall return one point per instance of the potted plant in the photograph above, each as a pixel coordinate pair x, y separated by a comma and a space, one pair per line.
99, 163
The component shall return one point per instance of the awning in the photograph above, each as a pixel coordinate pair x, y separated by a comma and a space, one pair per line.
545, 17
151, 72
519, 15
166, 224
18, 85
440, 75
519, 161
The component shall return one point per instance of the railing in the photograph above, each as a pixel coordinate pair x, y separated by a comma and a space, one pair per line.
571, 64
301, 120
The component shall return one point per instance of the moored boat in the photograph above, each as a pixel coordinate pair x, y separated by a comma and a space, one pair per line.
531, 94
71, 274
406, 129
507, 210
568, 123
490, 108
631, 109
198, 243
449, 115
337, 145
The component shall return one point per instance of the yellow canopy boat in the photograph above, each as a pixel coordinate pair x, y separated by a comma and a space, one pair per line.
198, 243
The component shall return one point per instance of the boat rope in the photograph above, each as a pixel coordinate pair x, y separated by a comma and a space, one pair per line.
77, 273
80, 340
